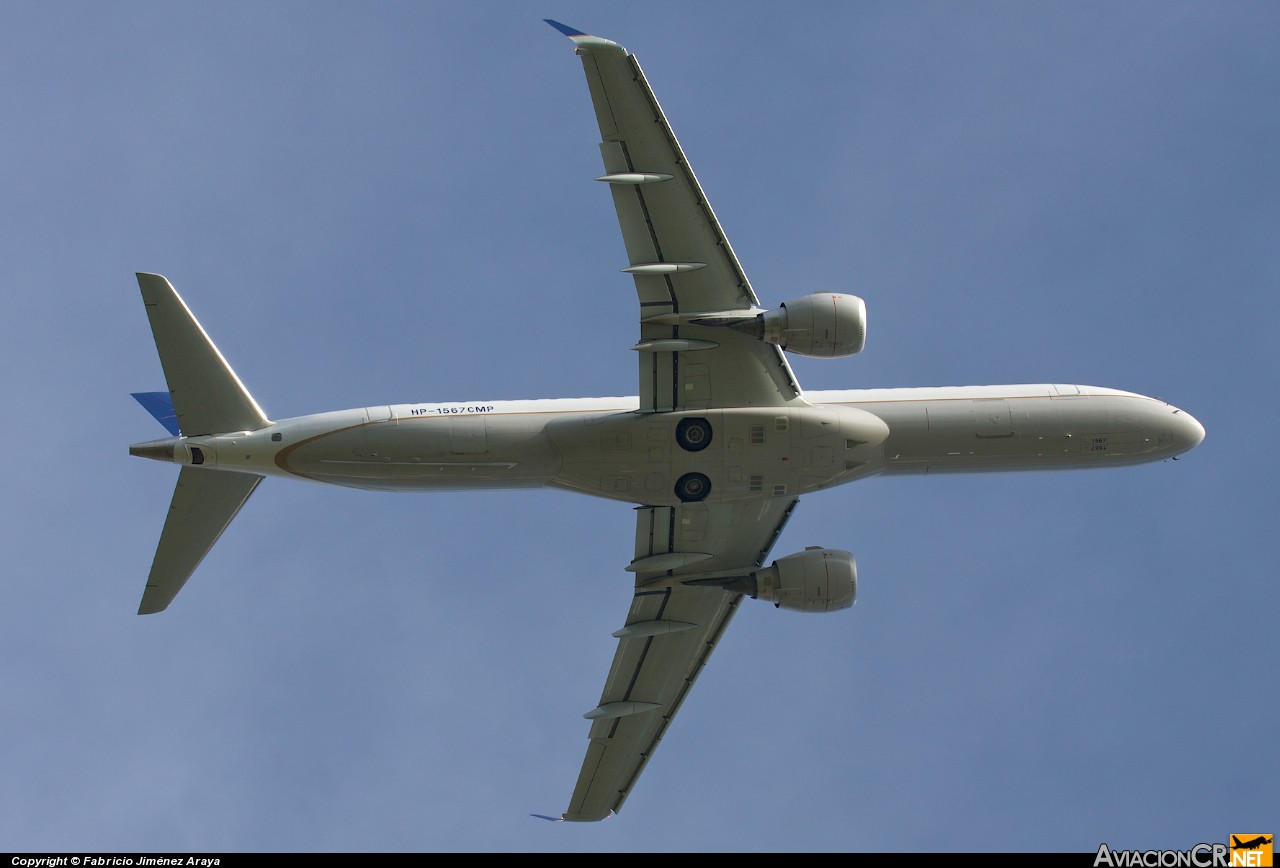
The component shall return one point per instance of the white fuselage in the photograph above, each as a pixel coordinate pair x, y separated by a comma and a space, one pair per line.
602, 446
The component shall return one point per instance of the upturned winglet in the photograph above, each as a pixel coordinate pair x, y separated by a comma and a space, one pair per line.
585, 41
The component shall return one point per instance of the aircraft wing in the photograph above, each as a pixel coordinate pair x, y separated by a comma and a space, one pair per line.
691, 289
670, 632
683, 266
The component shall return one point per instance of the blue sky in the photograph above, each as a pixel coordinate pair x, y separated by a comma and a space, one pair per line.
371, 203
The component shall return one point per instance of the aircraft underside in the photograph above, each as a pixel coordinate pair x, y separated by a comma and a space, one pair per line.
597, 448
714, 452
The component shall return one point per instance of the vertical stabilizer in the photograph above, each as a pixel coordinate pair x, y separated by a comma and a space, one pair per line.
207, 395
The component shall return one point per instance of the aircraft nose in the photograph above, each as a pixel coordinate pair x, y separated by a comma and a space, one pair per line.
1188, 433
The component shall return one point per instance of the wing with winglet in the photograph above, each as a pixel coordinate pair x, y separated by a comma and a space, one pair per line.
686, 273
670, 632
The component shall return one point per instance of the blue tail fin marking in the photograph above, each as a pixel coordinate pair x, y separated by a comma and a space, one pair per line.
159, 405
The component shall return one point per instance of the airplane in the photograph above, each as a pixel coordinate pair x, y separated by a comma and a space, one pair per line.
1251, 844
713, 453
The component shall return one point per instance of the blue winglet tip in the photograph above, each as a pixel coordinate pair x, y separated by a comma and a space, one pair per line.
567, 31
561, 819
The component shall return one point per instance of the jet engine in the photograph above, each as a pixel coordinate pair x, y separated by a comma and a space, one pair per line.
823, 324
814, 580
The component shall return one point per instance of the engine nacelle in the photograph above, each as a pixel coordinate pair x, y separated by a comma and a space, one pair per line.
823, 324
814, 580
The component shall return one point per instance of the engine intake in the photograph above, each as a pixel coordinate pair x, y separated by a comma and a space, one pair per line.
822, 324
814, 580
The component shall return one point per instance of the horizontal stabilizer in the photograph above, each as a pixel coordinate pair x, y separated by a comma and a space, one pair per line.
204, 503
159, 405
207, 395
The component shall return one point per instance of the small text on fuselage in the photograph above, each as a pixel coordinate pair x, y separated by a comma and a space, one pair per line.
451, 409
